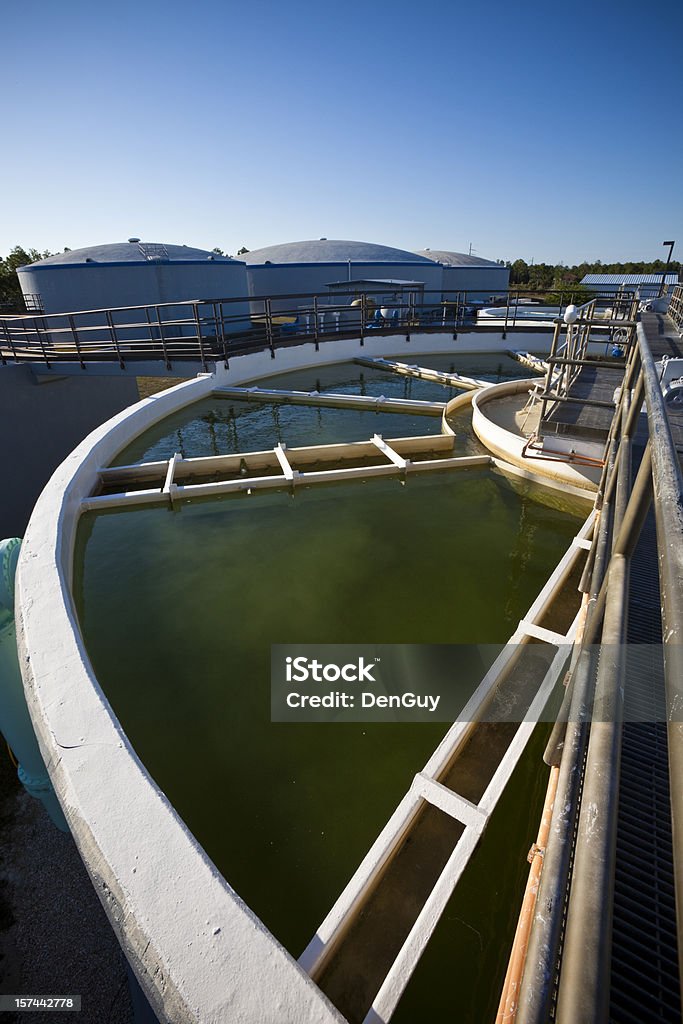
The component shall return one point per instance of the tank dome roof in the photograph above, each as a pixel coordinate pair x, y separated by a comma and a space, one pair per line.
457, 259
132, 251
324, 250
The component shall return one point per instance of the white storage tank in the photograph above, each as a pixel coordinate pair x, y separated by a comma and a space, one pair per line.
308, 268
134, 273
481, 280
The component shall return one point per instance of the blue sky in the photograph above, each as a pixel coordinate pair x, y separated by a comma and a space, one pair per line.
544, 131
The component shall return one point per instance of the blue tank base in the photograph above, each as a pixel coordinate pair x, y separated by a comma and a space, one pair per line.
40, 787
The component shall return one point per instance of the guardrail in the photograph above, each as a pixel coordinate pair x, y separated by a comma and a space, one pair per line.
571, 355
209, 330
675, 309
587, 795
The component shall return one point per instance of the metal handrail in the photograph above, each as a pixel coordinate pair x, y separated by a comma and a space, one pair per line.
585, 964
207, 330
675, 309
571, 354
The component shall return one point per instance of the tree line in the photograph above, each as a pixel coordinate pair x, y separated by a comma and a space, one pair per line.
547, 276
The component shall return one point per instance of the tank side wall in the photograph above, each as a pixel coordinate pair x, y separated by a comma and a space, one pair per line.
40, 423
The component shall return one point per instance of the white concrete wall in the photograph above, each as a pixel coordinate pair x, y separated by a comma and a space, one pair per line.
509, 446
200, 954
197, 950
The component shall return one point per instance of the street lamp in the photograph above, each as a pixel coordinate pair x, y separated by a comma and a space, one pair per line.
666, 267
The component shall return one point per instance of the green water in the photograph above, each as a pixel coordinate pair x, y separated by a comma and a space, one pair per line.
179, 609
221, 426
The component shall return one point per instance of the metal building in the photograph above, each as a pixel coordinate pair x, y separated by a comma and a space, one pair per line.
648, 285
481, 279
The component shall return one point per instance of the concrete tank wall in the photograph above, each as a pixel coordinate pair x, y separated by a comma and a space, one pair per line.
40, 424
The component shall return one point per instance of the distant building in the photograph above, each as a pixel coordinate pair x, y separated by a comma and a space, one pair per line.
648, 285
481, 279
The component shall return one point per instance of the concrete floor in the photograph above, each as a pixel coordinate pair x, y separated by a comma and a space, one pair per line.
54, 936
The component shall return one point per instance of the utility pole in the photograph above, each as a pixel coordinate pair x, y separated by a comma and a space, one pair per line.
666, 267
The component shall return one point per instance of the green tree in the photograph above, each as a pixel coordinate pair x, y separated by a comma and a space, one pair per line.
11, 299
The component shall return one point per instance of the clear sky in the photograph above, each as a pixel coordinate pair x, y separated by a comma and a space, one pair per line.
544, 131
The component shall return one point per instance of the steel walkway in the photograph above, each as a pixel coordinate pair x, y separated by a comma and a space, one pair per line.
604, 944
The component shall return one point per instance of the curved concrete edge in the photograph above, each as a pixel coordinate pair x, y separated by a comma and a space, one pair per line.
303, 356
455, 405
199, 953
509, 446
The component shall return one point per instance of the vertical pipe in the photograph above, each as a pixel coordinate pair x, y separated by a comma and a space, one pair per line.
509, 1000
586, 958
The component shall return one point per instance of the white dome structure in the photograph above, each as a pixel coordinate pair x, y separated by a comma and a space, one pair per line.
481, 279
131, 273
309, 268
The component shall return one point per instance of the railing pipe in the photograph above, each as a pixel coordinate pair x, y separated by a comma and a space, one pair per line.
198, 322
667, 482
586, 956
162, 337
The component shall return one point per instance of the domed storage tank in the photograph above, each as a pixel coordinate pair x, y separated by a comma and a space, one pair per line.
308, 268
481, 279
133, 273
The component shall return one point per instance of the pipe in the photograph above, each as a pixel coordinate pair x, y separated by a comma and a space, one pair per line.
667, 482
507, 1009
15, 722
538, 978
586, 957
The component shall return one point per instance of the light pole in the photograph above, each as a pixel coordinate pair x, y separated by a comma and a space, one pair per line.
666, 267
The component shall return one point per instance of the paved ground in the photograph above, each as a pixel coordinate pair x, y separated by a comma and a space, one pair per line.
54, 935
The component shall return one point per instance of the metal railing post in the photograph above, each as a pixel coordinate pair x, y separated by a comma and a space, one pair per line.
42, 343
220, 325
198, 323
114, 339
74, 335
10, 341
162, 338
